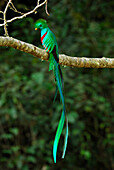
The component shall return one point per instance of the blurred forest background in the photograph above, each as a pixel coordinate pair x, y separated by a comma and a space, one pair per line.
28, 117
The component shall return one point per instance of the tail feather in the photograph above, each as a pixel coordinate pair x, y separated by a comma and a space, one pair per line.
58, 134
66, 139
55, 93
59, 80
61, 76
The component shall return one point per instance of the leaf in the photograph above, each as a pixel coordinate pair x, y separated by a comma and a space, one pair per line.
86, 154
14, 131
72, 117
31, 159
38, 77
6, 136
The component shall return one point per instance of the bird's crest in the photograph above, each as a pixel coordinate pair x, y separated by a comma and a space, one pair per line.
40, 23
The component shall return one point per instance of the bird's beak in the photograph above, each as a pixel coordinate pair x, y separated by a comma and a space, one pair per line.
36, 29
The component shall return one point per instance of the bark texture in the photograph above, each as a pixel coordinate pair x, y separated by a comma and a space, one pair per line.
63, 59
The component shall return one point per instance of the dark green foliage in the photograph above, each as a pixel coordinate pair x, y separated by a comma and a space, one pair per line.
28, 117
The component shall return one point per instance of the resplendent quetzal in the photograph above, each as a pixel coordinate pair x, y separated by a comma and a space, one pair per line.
49, 42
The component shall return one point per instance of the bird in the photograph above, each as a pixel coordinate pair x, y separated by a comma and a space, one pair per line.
49, 43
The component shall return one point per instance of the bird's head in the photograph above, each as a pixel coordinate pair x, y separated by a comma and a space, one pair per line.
40, 23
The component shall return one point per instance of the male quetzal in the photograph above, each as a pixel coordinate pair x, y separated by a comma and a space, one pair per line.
49, 42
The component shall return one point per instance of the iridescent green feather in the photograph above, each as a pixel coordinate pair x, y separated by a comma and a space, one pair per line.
62, 119
51, 64
58, 134
49, 42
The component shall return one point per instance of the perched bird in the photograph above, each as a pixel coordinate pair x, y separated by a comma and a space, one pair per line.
49, 42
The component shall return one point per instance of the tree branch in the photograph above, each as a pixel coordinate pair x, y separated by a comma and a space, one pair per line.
4, 15
23, 15
63, 59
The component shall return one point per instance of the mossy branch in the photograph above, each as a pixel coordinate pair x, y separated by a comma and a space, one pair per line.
63, 59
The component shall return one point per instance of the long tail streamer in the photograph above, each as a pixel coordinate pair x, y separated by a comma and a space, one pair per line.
59, 87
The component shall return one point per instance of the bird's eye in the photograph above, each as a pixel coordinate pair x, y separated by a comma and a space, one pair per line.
40, 25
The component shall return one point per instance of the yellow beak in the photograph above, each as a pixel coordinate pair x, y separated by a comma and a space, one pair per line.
35, 29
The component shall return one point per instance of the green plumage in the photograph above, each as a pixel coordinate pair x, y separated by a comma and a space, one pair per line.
49, 42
